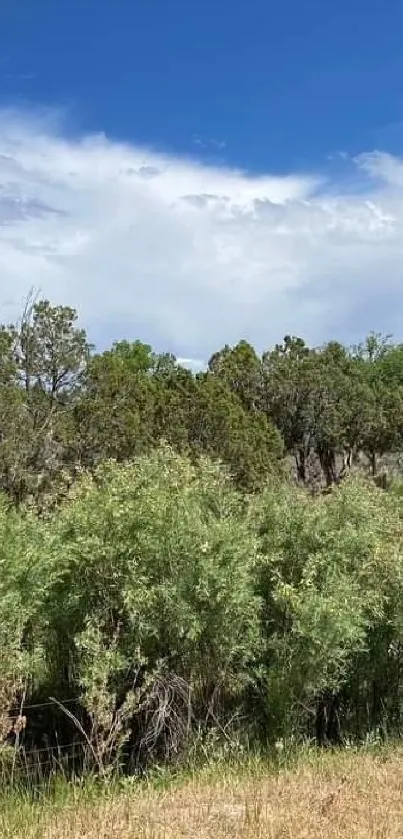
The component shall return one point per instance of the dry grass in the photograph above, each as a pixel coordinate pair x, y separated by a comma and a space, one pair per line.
336, 797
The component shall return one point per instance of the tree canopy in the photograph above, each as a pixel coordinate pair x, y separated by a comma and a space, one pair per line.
65, 407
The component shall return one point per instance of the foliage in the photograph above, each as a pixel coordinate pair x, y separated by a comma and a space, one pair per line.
24, 581
165, 573
330, 576
155, 558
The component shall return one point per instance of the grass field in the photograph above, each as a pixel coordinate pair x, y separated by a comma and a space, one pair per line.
343, 795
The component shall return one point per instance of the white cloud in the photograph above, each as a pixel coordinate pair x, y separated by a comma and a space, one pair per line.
189, 256
194, 364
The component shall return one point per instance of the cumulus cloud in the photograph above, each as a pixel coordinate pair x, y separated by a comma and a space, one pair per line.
188, 256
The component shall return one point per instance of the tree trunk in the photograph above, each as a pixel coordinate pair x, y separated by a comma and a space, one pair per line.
327, 459
373, 463
300, 460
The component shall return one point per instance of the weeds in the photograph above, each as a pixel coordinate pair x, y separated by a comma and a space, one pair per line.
337, 795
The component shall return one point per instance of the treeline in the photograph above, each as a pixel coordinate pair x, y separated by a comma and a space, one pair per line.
165, 582
65, 408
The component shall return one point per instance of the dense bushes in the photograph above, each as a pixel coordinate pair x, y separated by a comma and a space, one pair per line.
171, 605
330, 575
155, 559
24, 582
146, 602
162, 578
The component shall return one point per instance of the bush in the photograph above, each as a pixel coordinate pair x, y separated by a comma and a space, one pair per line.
169, 604
330, 577
24, 581
153, 592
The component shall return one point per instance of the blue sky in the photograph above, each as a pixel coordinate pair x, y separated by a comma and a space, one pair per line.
250, 158
282, 84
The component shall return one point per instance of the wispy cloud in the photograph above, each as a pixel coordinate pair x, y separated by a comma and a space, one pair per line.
190, 256
215, 145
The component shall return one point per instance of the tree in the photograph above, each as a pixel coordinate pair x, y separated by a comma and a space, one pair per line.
51, 351
115, 413
287, 390
175, 396
46, 357
379, 369
221, 428
240, 368
334, 403
8, 367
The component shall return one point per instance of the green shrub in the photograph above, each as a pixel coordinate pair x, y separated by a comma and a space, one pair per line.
330, 576
24, 580
154, 562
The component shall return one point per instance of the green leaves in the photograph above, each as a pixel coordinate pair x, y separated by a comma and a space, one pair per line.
160, 550
24, 580
42, 361
247, 444
329, 572
51, 351
165, 554
156, 574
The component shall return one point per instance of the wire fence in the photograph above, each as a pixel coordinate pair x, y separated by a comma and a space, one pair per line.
23, 761
55, 702
53, 749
